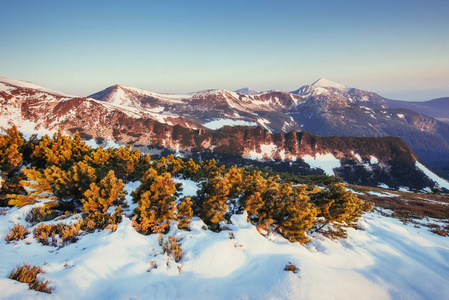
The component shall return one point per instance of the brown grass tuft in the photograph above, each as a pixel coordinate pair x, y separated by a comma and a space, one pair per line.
29, 274
18, 232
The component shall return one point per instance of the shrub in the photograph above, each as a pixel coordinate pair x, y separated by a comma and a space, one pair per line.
97, 220
18, 232
47, 234
43, 233
173, 248
109, 192
68, 233
10, 146
338, 208
216, 191
29, 274
185, 213
41, 214
155, 199
62, 151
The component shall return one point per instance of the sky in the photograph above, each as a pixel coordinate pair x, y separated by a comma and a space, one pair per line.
398, 49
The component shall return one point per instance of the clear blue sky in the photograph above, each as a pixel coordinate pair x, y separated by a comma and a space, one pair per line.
399, 49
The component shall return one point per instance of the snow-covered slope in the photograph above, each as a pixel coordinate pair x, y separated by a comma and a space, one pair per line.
28, 85
384, 259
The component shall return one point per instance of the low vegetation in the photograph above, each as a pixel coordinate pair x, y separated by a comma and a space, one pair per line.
18, 232
29, 274
172, 247
71, 177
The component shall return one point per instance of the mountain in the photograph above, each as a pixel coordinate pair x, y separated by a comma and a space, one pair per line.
247, 91
437, 108
129, 115
333, 109
206, 109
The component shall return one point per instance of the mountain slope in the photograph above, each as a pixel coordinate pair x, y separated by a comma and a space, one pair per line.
437, 108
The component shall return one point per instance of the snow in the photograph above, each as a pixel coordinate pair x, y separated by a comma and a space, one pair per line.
400, 116
383, 186
373, 160
384, 260
383, 194
328, 162
189, 187
438, 180
217, 124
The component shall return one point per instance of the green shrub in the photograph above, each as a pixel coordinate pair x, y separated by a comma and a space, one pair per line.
29, 274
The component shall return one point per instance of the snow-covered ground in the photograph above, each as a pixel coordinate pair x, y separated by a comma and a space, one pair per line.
384, 259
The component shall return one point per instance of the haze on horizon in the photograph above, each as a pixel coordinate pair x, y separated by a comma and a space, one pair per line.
395, 48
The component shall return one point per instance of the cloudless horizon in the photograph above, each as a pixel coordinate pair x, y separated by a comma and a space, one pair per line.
397, 49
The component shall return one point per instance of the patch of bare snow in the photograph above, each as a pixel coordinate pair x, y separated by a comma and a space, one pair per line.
383, 194
266, 151
327, 162
217, 124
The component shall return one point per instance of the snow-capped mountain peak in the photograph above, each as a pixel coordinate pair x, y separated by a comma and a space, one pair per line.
323, 82
247, 91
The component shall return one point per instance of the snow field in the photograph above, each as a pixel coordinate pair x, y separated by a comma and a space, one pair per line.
384, 260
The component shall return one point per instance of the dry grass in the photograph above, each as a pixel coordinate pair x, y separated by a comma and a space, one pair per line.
18, 232
173, 248
41, 214
411, 207
407, 206
47, 234
29, 274
292, 268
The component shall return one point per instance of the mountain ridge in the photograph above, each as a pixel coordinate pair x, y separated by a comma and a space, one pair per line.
181, 121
